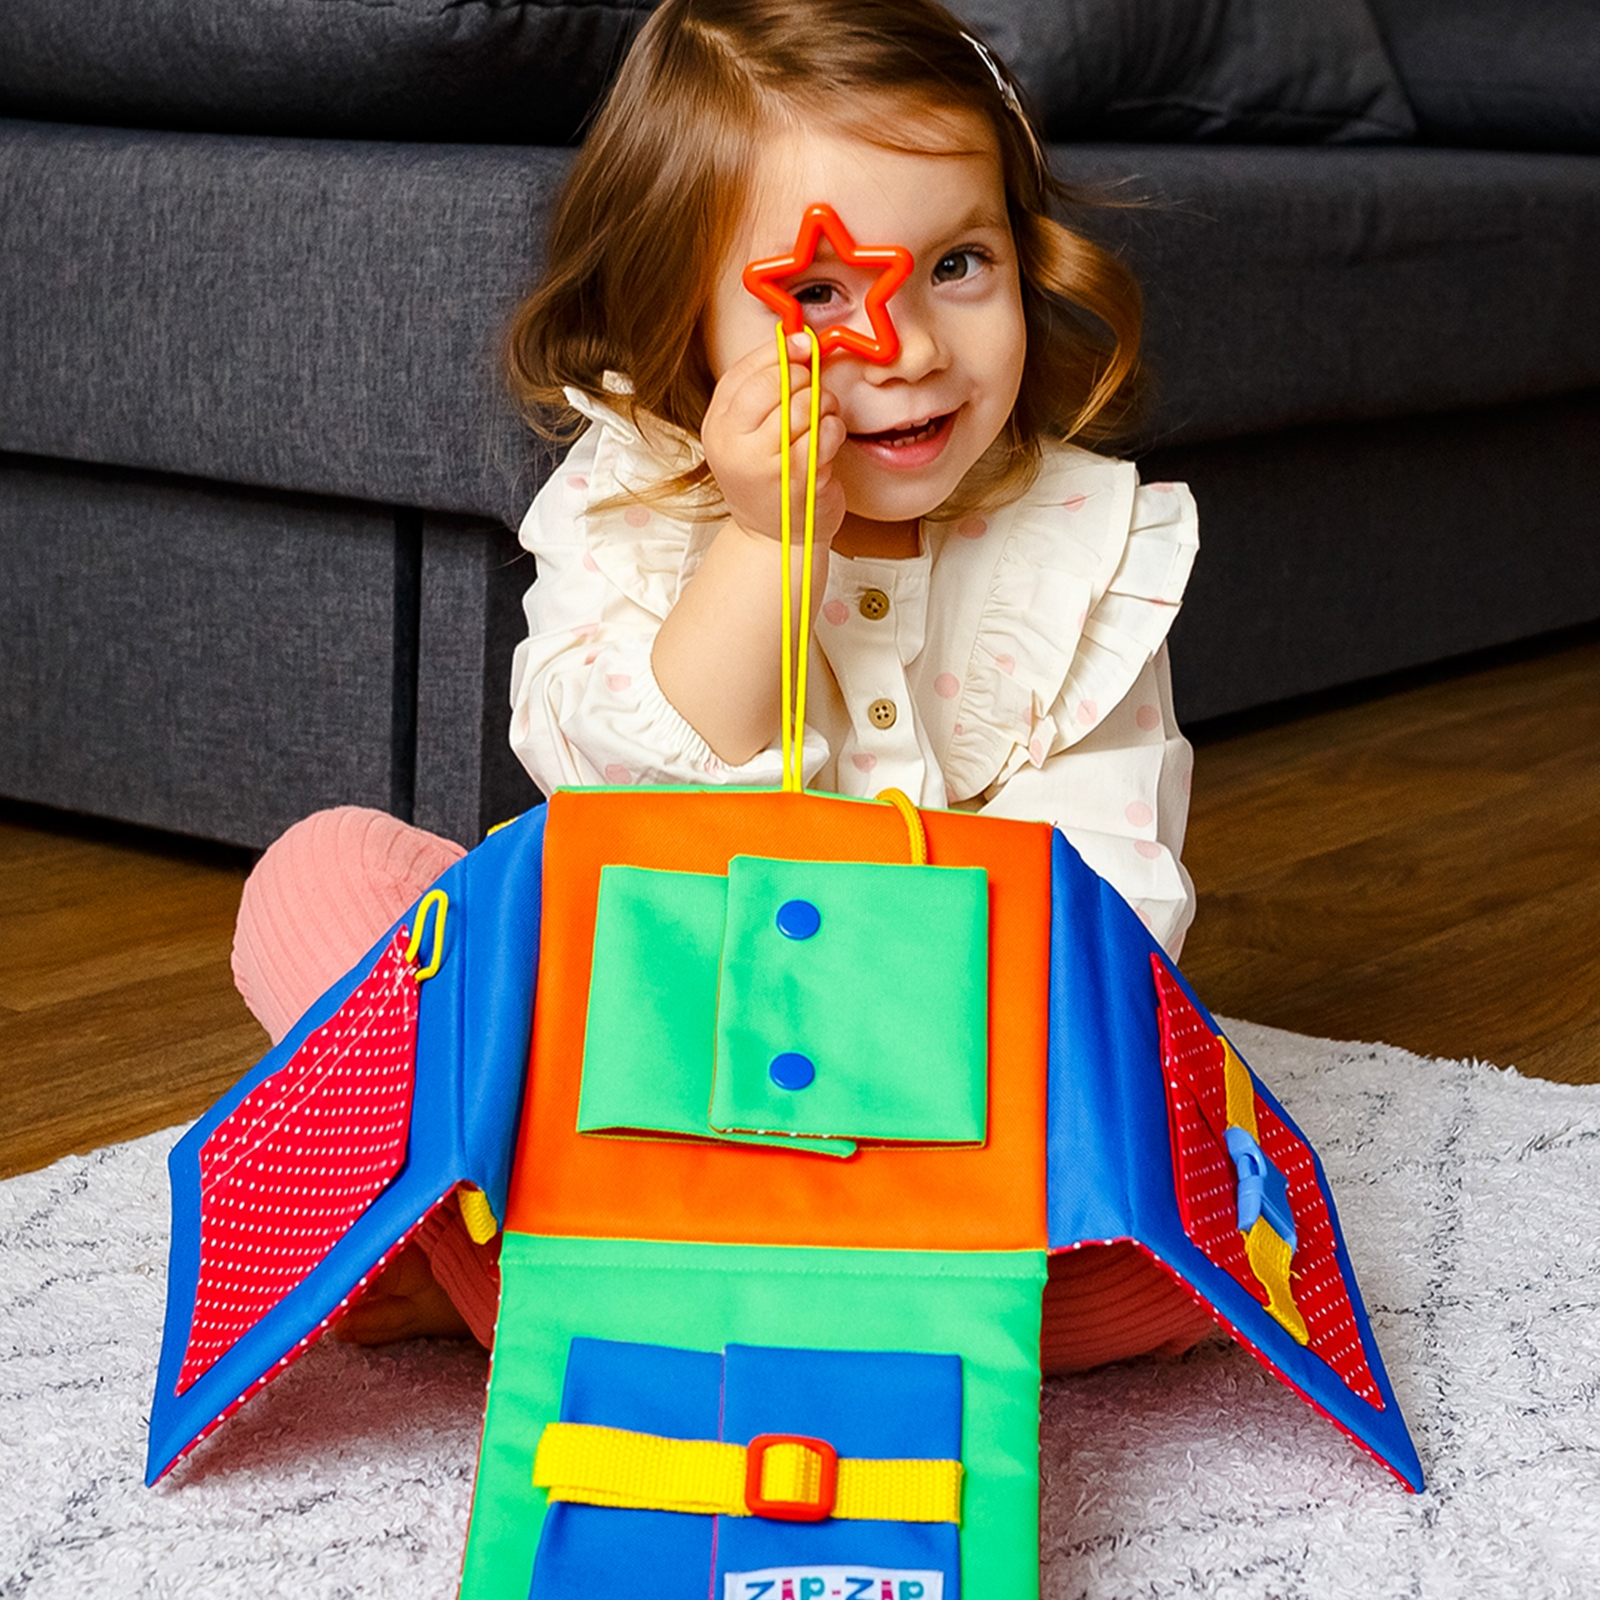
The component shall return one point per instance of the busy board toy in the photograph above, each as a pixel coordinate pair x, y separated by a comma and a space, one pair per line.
788, 1108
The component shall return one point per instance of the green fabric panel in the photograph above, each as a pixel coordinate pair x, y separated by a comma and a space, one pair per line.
889, 1000
651, 1029
984, 1306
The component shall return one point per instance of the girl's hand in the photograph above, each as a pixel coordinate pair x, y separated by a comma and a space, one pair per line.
741, 435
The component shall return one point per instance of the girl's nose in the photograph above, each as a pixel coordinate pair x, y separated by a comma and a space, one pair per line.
920, 354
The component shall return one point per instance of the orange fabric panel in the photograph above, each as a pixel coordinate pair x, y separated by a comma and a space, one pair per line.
991, 1198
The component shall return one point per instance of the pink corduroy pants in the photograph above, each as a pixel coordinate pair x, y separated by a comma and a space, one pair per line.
322, 894
314, 905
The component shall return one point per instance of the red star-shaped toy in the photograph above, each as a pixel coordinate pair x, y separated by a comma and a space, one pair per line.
761, 278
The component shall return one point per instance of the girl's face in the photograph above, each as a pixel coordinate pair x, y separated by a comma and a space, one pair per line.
917, 425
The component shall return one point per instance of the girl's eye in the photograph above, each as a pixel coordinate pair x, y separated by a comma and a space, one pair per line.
958, 264
815, 294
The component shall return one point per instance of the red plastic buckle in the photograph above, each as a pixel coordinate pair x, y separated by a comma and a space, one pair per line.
791, 1510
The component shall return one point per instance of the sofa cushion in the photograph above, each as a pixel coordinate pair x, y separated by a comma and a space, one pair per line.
1266, 71
294, 314
326, 316
1285, 287
506, 71
1481, 72
527, 71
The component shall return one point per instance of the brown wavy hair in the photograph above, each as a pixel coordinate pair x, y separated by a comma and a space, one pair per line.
656, 193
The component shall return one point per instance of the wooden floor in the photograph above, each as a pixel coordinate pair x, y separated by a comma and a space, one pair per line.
1422, 867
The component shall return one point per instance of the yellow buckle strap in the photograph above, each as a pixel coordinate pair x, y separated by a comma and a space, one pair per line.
597, 1466
1268, 1252
1269, 1255
1241, 1092
640, 1471
899, 1491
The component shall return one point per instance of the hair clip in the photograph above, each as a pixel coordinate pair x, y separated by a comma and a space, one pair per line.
1001, 81
894, 260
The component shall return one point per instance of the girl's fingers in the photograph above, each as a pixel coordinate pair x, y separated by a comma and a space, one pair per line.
800, 407
748, 393
831, 435
755, 398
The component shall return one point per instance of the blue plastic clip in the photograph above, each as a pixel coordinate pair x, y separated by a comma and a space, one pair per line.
1263, 1190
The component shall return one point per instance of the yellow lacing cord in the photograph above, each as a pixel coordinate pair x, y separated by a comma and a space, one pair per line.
913, 820
591, 1465
794, 679
434, 897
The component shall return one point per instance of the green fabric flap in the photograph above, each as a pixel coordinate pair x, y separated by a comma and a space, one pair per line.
981, 1305
881, 987
648, 1048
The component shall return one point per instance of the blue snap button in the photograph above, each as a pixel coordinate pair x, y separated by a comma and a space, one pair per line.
798, 919
791, 1070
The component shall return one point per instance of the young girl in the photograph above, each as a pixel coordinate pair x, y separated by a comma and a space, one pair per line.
991, 601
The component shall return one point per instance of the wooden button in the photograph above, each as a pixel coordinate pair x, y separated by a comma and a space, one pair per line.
874, 605
882, 714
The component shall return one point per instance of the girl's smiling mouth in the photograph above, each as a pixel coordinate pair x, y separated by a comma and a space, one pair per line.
917, 445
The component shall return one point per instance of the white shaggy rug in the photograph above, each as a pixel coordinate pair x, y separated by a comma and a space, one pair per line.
1471, 1202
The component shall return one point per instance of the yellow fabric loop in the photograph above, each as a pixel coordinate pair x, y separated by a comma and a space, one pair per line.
794, 678
643, 1472
1269, 1259
913, 820
478, 1216
434, 897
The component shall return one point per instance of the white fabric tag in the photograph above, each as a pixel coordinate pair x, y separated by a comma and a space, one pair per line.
833, 1583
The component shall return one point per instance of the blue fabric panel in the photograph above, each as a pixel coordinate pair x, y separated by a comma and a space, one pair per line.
874, 1404
883, 1405
602, 1553
879, 1405
1089, 1054
1110, 1146
463, 1123
492, 1005
650, 1388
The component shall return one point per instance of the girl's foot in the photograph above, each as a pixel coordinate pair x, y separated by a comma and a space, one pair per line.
405, 1302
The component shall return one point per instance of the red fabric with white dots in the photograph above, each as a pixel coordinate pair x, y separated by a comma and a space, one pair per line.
1197, 1106
1197, 1110
301, 1157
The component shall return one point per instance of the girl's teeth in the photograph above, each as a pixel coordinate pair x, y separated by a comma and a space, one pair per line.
901, 436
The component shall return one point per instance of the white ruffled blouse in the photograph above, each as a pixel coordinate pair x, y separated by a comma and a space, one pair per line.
1023, 654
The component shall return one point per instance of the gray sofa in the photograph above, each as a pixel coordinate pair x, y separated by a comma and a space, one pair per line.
258, 476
